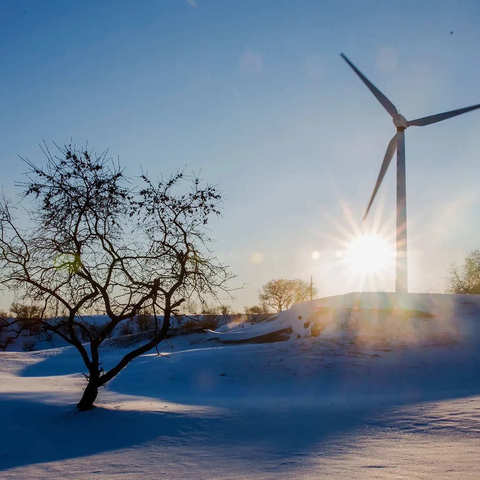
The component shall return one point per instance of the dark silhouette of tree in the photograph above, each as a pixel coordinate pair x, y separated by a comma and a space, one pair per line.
467, 279
225, 310
7, 335
27, 317
281, 294
98, 242
256, 309
23, 321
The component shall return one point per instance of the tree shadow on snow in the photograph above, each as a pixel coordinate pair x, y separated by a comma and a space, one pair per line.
34, 431
37, 432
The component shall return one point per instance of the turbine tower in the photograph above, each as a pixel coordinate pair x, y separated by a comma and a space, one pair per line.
398, 143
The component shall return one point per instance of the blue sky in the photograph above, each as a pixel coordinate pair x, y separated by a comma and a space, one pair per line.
253, 96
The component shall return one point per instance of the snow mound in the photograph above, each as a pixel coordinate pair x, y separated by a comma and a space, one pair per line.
372, 319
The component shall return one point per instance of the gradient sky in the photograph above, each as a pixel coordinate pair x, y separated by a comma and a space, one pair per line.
253, 96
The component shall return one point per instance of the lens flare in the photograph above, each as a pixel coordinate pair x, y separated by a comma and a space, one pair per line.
368, 254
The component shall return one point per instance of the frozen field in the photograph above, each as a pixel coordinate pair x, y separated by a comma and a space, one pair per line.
388, 388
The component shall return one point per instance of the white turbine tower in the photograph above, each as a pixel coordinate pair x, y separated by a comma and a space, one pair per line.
398, 143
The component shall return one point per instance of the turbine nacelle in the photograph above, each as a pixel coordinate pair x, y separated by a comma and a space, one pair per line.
400, 121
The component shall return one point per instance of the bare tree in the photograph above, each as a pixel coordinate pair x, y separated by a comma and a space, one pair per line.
467, 280
97, 243
7, 335
225, 310
208, 309
27, 316
191, 307
281, 294
11, 328
256, 309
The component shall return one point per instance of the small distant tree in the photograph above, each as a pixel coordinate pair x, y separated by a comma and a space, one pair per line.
225, 310
145, 320
208, 309
27, 316
9, 330
256, 309
97, 241
4, 333
257, 313
281, 294
467, 279
191, 307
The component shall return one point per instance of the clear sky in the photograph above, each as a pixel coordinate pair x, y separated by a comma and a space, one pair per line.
253, 96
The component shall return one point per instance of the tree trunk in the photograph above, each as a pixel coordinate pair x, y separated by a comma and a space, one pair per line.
89, 396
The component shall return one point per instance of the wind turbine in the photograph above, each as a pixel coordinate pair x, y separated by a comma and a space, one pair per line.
398, 143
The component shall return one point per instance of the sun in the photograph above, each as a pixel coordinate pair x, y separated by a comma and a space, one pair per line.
368, 254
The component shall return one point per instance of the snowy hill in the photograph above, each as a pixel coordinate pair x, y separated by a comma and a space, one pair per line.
375, 318
359, 385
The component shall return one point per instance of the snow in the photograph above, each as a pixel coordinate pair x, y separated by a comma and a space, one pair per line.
389, 388
39, 341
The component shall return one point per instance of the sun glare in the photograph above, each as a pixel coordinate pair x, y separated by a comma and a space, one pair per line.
368, 254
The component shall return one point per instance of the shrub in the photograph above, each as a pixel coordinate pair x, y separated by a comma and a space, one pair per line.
206, 322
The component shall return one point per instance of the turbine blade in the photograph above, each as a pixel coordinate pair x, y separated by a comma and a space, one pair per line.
392, 146
387, 104
420, 122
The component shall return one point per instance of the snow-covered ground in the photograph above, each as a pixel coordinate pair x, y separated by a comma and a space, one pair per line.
388, 387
